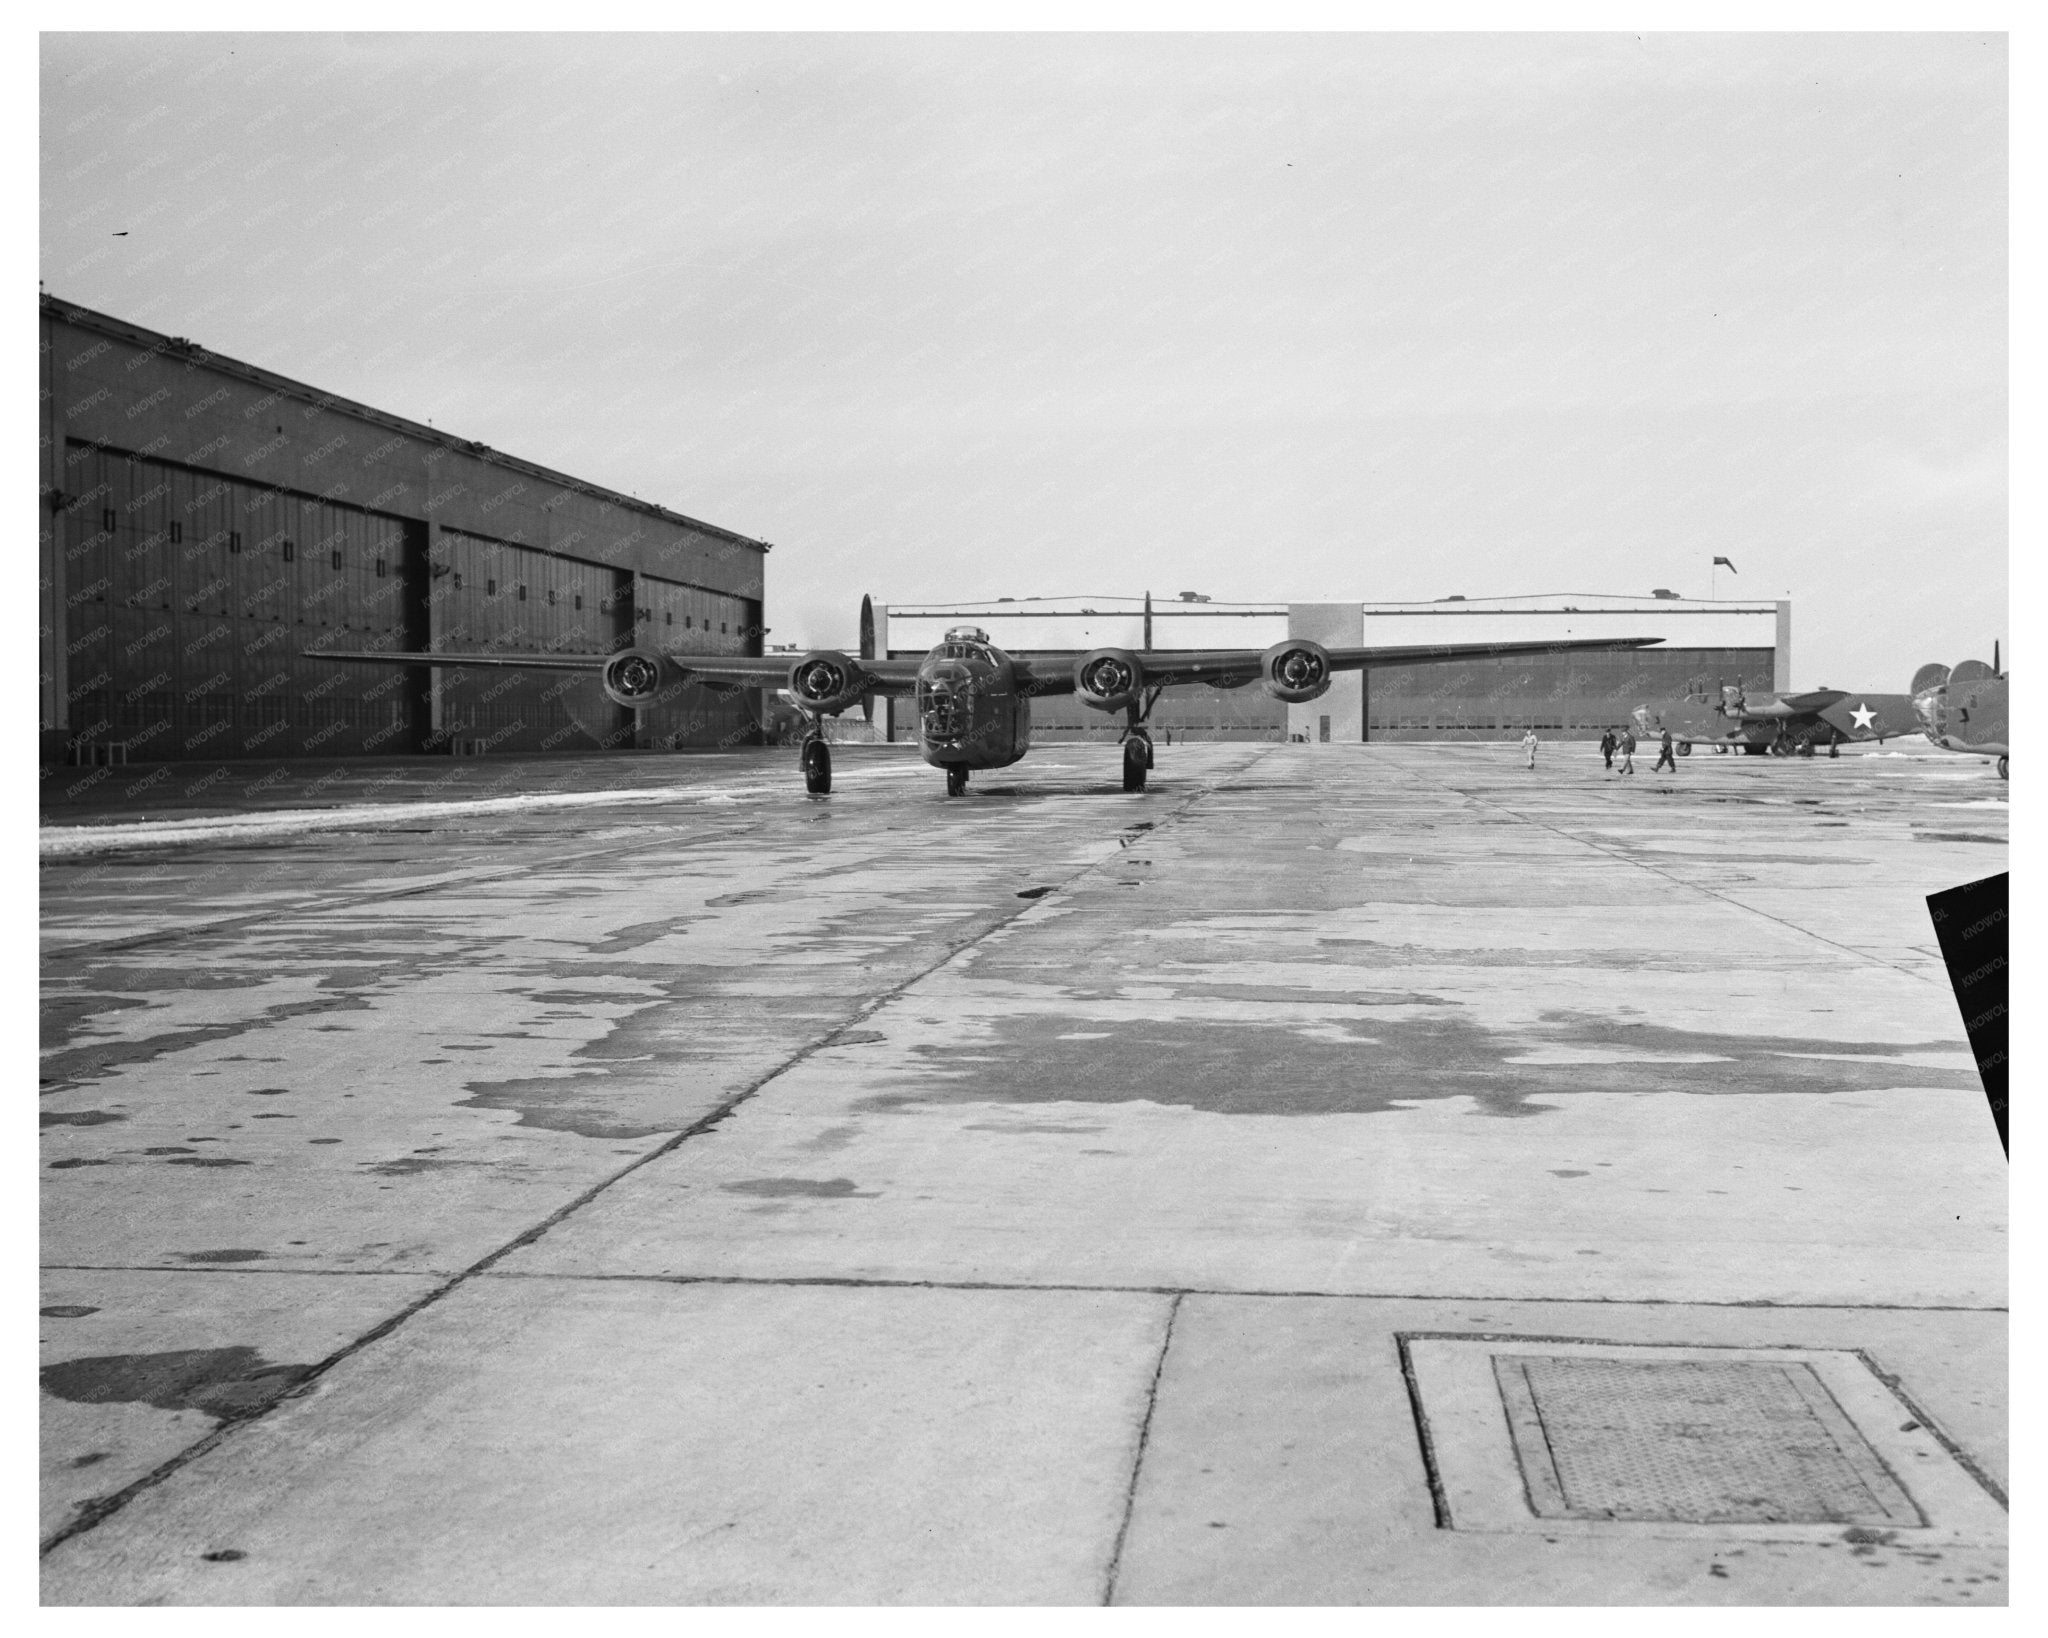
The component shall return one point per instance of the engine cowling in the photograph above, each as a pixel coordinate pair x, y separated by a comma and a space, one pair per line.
826, 680
1296, 670
635, 677
1109, 679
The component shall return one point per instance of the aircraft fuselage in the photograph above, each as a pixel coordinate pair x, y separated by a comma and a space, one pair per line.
972, 709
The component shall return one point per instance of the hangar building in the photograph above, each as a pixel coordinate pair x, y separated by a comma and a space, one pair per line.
1705, 644
204, 520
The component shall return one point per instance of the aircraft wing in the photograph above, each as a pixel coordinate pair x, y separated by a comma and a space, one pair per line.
733, 670
1234, 667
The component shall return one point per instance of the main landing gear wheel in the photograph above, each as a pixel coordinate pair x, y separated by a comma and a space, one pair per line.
1834, 750
817, 761
1685, 747
1137, 760
956, 779
2002, 773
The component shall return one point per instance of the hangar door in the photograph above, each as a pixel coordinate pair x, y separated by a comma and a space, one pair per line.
494, 596
191, 596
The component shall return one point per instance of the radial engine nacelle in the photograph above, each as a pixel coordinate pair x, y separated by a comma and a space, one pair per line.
825, 680
1109, 679
1296, 670
636, 677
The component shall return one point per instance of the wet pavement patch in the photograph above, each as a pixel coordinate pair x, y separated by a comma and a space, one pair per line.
1374, 1065
645, 932
575, 1104
225, 1383
231, 1254
829, 1188
66, 1310
81, 1117
413, 1164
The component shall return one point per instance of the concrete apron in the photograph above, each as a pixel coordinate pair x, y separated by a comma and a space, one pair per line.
1070, 1247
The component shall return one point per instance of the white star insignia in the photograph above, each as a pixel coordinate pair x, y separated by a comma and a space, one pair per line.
1861, 716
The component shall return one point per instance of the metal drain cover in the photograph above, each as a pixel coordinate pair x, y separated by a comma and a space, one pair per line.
1691, 1441
1587, 1438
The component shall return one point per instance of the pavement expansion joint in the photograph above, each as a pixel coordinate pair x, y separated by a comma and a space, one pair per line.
1247, 1293
1123, 1530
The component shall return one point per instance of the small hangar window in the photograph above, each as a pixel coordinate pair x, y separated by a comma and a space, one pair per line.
177, 533
522, 591
108, 519
579, 600
551, 597
380, 568
490, 588
289, 552
234, 542
334, 558
668, 617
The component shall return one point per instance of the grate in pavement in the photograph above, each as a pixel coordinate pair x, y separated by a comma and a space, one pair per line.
1691, 1441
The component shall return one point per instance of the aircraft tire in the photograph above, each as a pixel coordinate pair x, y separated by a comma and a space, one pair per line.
2003, 772
817, 760
956, 779
1137, 760
1685, 747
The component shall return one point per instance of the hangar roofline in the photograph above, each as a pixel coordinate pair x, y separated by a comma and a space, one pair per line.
178, 347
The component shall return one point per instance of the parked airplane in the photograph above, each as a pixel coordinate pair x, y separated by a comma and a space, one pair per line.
1965, 709
974, 700
1779, 724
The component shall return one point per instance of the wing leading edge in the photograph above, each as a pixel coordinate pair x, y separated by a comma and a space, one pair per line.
739, 670
1043, 673
1233, 667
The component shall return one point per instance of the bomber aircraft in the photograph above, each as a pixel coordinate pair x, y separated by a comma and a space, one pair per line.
973, 699
1965, 709
1780, 724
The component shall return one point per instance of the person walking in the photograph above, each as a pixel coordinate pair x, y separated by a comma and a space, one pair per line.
1664, 757
1529, 746
1628, 751
1607, 748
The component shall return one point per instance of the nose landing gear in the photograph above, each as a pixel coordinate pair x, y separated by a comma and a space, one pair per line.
816, 758
1137, 759
956, 779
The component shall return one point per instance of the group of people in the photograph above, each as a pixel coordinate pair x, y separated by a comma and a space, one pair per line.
1622, 742
1616, 742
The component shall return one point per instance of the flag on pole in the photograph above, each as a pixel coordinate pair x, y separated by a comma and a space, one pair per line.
1724, 563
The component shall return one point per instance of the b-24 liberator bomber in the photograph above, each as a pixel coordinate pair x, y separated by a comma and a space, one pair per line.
1966, 709
1779, 724
973, 699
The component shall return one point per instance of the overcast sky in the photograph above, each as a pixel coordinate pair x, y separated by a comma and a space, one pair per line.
1265, 316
